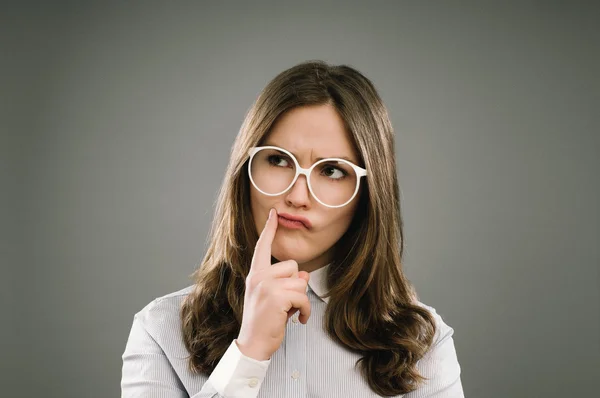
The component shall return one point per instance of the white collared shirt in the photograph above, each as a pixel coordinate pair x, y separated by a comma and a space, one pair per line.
307, 364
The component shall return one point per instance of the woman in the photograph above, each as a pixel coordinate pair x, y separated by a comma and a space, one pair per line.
307, 227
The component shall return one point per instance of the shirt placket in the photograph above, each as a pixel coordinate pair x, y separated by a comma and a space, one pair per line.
295, 358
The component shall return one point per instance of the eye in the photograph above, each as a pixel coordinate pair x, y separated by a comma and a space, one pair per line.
278, 161
333, 173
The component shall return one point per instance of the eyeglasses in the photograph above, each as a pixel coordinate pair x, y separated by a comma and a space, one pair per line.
333, 182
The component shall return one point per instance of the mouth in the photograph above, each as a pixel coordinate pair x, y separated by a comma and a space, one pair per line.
293, 222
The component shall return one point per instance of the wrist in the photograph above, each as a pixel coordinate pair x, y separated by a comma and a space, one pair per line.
252, 351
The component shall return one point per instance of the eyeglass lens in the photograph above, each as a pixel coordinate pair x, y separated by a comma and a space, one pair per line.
333, 182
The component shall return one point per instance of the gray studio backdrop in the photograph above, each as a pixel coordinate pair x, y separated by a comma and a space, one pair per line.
121, 117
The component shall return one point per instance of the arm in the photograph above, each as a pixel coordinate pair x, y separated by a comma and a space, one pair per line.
148, 373
440, 366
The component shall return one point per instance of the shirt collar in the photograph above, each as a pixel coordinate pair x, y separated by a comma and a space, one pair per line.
318, 282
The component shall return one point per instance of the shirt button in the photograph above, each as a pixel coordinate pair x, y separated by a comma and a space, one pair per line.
295, 318
295, 374
253, 382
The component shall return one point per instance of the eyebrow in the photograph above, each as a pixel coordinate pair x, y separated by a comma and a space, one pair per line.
339, 157
318, 159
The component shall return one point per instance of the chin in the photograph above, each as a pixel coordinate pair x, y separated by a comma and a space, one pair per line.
300, 254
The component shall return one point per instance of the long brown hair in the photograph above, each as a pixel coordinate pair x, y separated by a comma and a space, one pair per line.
373, 309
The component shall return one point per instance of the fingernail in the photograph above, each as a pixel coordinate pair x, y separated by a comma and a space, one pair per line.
268, 219
270, 213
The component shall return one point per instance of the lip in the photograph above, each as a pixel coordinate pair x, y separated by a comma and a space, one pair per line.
290, 217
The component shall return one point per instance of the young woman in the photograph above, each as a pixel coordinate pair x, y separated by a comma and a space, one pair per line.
301, 292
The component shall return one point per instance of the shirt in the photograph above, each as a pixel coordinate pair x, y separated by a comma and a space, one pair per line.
307, 364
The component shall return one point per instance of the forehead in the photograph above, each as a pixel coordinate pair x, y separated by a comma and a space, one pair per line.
318, 129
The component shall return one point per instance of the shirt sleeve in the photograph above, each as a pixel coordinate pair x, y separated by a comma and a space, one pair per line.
146, 371
440, 366
237, 375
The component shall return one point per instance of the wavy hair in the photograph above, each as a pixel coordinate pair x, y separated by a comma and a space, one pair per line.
373, 309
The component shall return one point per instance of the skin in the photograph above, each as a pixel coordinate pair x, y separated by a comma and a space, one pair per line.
274, 292
308, 132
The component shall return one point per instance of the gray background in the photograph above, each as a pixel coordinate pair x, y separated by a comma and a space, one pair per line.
118, 121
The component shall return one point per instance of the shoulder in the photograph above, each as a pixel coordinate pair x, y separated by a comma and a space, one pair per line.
161, 318
440, 365
158, 308
443, 331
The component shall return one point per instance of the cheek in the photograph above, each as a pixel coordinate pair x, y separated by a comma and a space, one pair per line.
338, 225
304, 247
260, 206
257, 207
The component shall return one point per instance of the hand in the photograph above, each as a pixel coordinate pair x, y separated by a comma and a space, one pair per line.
273, 294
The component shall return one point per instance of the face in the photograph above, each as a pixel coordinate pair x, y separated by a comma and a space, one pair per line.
309, 133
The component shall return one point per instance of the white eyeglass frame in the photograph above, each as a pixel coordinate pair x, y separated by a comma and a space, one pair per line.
360, 172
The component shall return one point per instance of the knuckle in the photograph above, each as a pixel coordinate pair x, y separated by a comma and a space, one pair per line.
264, 288
301, 284
260, 288
292, 264
253, 280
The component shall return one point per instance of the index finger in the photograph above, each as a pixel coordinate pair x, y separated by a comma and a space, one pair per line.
261, 258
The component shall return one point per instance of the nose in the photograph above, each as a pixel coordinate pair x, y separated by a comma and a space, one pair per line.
299, 194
